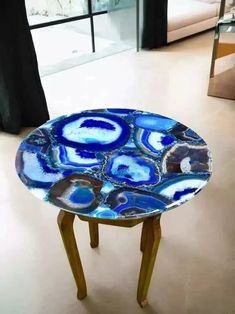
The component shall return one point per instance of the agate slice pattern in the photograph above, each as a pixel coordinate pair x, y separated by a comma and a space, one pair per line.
114, 163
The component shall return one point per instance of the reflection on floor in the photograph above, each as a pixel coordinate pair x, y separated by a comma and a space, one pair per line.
223, 85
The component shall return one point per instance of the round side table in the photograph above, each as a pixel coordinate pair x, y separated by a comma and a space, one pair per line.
119, 167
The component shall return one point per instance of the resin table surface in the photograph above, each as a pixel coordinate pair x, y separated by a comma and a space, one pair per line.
114, 163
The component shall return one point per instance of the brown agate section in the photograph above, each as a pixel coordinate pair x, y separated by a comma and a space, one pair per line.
185, 158
76, 192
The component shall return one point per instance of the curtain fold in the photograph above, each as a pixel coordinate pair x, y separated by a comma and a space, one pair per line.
22, 99
154, 23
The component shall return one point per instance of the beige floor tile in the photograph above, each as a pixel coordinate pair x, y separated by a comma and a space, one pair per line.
195, 268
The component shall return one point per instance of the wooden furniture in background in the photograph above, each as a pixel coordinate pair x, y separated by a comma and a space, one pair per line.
223, 84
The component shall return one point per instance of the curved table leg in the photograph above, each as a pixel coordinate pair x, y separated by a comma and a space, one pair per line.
65, 221
151, 239
94, 234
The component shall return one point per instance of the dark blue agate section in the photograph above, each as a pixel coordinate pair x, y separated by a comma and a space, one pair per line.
131, 169
35, 171
92, 123
134, 202
121, 111
71, 158
92, 131
152, 142
38, 141
184, 134
181, 188
114, 163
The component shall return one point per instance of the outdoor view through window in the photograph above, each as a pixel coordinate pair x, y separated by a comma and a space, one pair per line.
67, 33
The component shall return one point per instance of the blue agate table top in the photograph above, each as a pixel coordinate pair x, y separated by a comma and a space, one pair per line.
114, 163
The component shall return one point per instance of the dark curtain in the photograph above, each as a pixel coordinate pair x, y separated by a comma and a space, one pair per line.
22, 100
154, 23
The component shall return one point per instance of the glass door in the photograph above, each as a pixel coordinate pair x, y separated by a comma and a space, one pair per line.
67, 33
116, 30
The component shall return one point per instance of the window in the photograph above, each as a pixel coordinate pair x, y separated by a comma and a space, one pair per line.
67, 33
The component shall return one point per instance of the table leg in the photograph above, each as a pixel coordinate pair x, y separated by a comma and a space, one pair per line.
94, 234
143, 236
151, 240
65, 221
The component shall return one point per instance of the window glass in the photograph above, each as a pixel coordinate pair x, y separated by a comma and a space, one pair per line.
49, 10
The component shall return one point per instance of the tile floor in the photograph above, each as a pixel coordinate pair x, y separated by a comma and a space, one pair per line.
195, 268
